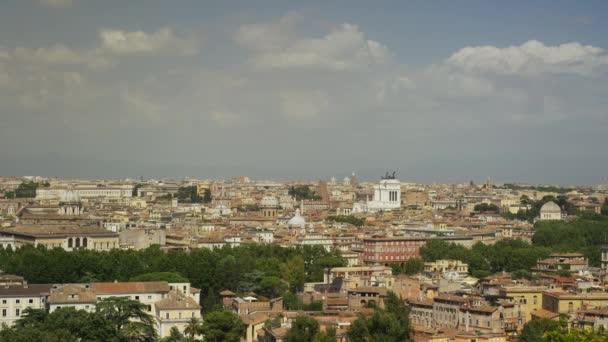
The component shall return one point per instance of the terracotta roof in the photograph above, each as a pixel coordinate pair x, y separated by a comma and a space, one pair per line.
176, 300
131, 287
72, 294
542, 313
254, 318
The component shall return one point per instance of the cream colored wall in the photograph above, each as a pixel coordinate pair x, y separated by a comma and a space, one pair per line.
11, 304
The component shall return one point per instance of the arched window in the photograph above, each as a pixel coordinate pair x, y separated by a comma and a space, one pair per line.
77, 242
70, 243
570, 307
84, 242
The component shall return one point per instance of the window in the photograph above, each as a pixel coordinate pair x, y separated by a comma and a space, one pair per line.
4, 301
149, 297
137, 297
17, 312
167, 315
17, 301
3, 312
31, 301
535, 299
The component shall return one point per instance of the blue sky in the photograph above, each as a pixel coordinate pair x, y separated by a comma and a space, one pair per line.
442, 91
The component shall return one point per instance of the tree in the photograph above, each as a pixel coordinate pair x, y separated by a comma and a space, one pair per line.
194, 328
272, 286
120, 311
535, 329
604, 209
294, 274
413, 266
575, 335
171, 277
485, 207
303, 329
207, 196
174, 336
26, 190
390, 324
222, 326
329, 335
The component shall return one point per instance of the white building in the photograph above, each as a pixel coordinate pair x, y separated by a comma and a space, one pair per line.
387, 197
550, 211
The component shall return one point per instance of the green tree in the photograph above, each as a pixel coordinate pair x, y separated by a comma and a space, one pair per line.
329, 335
535, 329
222, 326
171, 277
413, 266
174, 336
294, 274
120, 313
390, 324
194, 328
26, 190
303, 329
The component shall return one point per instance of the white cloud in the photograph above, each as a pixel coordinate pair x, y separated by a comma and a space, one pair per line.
304, 104
345, 47
530, 58
60, 55
140, 42
57, 3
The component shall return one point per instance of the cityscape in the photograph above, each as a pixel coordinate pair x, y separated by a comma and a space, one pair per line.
303, 171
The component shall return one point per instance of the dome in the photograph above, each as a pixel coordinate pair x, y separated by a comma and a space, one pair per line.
69, 196
269, 201
550, 207
297, 219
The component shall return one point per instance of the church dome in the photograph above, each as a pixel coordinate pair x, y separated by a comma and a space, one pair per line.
297, 219
69, 196
550, 207
269, 202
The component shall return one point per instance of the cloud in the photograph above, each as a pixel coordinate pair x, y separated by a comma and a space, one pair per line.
224, 118
59, 55
140, 42
57, 3
529, 59
275, 45
304, 104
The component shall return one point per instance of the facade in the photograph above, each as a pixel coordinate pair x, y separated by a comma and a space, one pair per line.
387, 196
66, 237
570, 303
391, 250
16, 298
530, 298
550, 211
441, 266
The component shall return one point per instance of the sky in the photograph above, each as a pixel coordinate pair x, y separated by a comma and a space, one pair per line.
440, 91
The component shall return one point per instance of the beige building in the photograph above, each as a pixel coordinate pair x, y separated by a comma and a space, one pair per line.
441, 266
66, 237
570, 303
529, 297
15, 298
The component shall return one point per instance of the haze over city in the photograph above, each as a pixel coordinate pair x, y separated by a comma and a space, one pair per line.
441, 91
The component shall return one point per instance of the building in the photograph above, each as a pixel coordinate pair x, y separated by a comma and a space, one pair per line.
16, 298
175, 310
529, 297
269, 206
569, 302
391, 250
66, 237
387, 196
450, 265
563, 261
550, 211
